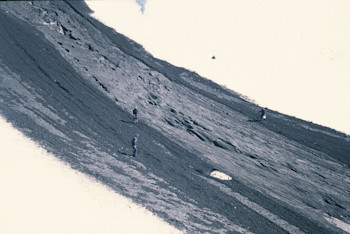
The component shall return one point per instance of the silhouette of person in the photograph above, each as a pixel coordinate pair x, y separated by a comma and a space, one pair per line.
134, 145
263, 113
135, 112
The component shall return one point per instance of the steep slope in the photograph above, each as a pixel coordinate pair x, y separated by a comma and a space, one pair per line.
70, 83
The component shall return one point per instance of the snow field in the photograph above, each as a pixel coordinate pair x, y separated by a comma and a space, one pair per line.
40, 194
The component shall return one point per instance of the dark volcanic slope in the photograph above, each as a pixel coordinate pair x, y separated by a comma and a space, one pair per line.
70, 83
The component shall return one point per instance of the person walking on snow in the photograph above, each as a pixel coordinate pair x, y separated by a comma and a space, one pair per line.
134, 112
263, 113
134, 145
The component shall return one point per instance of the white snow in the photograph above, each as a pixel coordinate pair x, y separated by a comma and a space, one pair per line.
40, 194
220, 175
291, 56
340, 224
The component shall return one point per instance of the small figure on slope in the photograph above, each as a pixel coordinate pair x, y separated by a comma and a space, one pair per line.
263, 113
134, 145
134, 112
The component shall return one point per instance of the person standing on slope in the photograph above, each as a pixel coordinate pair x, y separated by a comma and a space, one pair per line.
134, 145
263, 113
134, 112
